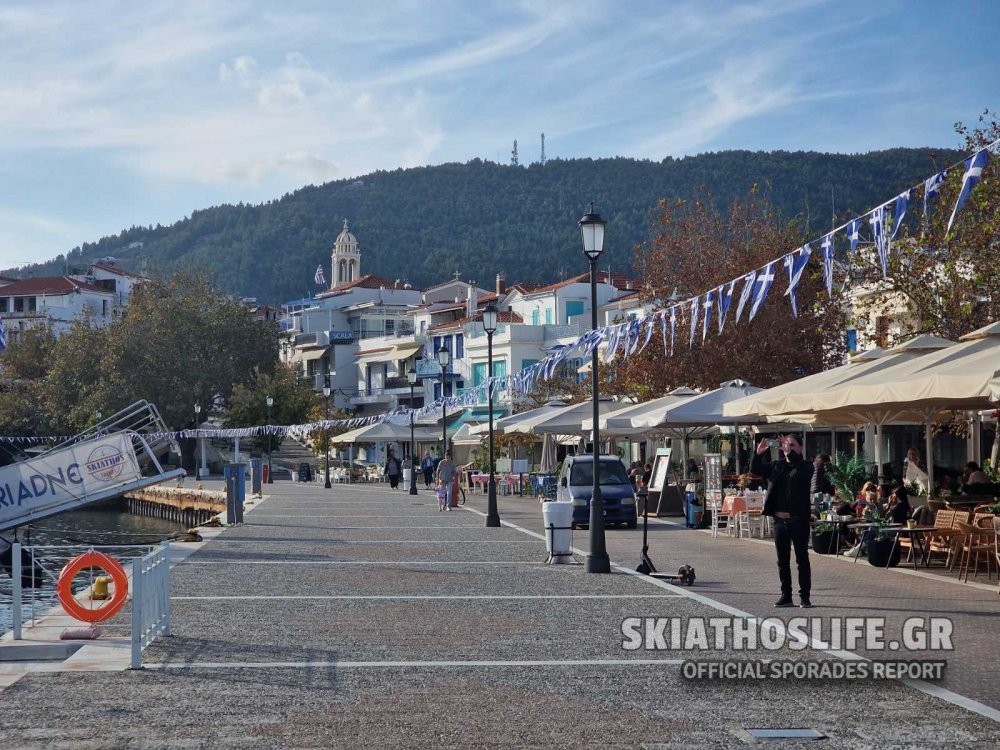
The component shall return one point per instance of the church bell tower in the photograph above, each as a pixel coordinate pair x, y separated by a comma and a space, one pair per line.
346, 259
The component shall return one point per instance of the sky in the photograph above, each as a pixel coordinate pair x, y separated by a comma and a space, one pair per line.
116, 114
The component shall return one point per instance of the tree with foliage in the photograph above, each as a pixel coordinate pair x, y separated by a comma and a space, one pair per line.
696, 247
945, 284
318, 437
294, 403
25, 366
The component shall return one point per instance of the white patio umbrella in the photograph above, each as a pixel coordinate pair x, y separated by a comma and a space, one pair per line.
382, 432
619, 421
566, 420
501, 425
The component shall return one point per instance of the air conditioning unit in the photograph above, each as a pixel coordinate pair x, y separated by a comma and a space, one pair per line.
322, 338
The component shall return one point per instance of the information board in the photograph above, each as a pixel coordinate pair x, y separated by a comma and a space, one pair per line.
661, 470
519, 466
713, 476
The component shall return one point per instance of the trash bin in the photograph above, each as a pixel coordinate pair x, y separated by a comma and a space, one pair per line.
265, 474
256, 475
558, 539
235, 492
693, 511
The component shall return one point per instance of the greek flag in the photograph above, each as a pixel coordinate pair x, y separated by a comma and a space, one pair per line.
853, 229
673, 328
3, 336
931, 187
318, 278
973, 174
695, 301
725, 293
748, 283
796, 264
902, 201
763, 283
877, 220
650, 323
707, 305
826, 248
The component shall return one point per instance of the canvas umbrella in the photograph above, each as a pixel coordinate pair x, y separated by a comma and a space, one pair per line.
501, 425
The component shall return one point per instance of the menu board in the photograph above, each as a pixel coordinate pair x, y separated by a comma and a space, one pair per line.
713, 476
661, 468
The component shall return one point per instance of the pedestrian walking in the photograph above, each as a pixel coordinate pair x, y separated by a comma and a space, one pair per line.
393, 470
446, 471
789, 503
427, 467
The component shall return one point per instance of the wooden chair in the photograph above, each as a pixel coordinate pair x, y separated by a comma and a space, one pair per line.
942, 540
974, 542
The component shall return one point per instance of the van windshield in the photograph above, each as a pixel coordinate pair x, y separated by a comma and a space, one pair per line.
612, 472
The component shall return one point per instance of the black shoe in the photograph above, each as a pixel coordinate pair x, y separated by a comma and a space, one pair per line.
784, 601
804, 602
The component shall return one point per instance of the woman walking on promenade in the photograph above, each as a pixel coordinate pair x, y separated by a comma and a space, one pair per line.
427, 467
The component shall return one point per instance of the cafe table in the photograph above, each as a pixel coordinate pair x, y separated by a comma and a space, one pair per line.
916, 534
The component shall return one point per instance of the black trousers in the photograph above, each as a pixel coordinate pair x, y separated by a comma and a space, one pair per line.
428, 477
789, 533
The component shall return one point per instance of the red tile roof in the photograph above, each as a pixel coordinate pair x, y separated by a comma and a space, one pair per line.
368, 281
630, 295
49, 285
503, 317
119, 271
617, 280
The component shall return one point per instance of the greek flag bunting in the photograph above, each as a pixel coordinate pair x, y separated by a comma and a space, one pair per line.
695, 302
826, 250
673, 328
902, 201
650, 323
318, 278
877, 221
707, 307
748, 285
3, 336
763, 284
796, 264
725, 293
853, 229
973, 174
931, 187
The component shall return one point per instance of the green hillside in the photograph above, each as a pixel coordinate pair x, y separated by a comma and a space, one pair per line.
481, 218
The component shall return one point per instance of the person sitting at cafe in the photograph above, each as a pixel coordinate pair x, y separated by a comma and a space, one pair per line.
865, 497
973, 474
899, 510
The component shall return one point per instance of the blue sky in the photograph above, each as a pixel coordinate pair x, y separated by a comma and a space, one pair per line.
115, 114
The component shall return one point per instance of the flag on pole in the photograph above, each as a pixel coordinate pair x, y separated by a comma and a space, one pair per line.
853, 230
318, 278
763, 283
796, 263
973, 174
902, 201
931, 187
3, 336
826, 249
748, 282
725, 301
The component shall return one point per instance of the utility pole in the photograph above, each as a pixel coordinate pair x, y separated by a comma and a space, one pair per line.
542, 160
513, 156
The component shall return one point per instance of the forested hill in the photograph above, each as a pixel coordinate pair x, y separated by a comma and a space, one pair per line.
480, 218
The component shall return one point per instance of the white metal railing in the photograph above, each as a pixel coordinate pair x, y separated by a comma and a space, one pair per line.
150, 600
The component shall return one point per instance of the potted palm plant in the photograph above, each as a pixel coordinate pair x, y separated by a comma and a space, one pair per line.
848, 475
882, 550
825, 538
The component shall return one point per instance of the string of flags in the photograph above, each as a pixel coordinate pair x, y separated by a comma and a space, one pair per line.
631, 337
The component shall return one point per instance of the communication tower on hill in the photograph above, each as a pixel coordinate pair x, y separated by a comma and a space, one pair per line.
542, 160
513, 156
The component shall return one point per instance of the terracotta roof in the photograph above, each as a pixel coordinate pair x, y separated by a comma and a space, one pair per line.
617, 280
49, 285
503, 317
490, 297
368, 281
524, 288
630, 295
119, 271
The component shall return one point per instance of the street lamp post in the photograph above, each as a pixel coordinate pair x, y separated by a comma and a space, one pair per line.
203, 471
326, 428
411, 377
444, 358
490, 326
270, 402
592, 234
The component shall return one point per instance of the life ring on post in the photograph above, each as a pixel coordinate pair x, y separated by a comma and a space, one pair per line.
72, 605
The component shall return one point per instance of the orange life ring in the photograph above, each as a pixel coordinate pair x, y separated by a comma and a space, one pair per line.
72, 605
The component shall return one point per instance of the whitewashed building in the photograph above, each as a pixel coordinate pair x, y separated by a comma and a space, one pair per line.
54, 301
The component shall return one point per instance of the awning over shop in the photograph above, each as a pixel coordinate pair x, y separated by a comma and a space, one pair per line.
309, 355
405, 351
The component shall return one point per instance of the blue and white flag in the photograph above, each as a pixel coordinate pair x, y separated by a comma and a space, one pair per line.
902, 201
853, 230
826, 250
3, 336
973, 174
318, 278
762, 284
694, 319
796, 264
673, 328
748, 284
650, 323
725, 293
931, 187
707, 305
880, 237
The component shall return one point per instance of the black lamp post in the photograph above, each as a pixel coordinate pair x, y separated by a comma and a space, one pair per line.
270, 402
490, 326
326, 431
592, 233
444, 358
200, 444
411, 377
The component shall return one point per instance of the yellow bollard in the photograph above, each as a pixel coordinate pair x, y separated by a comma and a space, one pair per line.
99, 591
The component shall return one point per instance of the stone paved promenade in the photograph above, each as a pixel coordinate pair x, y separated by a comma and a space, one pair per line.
362, 618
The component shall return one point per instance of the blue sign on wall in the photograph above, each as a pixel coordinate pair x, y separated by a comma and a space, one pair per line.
341, 337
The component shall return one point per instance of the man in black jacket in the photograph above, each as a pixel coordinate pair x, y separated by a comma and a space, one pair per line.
789, 503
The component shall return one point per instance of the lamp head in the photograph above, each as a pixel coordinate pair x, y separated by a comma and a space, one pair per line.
411, 376
592, 233
444, 357
197, 408
269, 400
490, 317
326, 391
